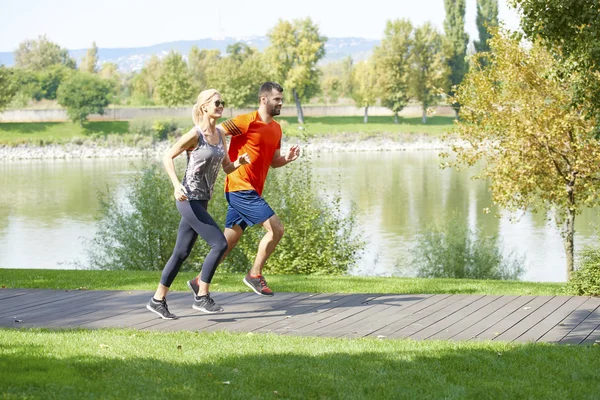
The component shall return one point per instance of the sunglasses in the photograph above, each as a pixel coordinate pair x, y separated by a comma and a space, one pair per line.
219, 103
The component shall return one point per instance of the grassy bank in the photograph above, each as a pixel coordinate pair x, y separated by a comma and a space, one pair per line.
124, 364
147, 280
43, 133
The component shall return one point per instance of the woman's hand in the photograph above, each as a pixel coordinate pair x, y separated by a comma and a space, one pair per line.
180, 193
243, 159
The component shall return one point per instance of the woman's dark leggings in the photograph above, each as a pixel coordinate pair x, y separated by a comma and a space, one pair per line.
195, 220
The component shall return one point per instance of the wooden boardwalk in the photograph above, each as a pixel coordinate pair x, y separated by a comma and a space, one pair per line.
553, 319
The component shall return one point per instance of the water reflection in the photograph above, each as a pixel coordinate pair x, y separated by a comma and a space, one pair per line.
47, 209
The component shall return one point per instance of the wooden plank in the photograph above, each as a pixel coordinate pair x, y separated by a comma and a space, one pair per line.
416, 312
544, 326
58, 310
456, 318
311, 312
179, 303
593, 338
17, 304
358, 303
473, 318
297, 306
532, 319
513, 318
565, 326
236, 318
495, 316
584, 329
116, 303
351, 319
9, 293
389, 308
418, 325
242, 306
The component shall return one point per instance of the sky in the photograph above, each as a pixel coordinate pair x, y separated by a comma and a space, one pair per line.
75, 24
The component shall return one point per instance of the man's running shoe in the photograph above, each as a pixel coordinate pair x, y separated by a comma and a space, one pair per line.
258, 285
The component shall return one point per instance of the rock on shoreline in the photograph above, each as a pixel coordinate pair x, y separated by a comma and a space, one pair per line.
349, 143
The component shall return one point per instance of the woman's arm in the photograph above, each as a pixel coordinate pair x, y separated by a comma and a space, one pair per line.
227, 165
186, 142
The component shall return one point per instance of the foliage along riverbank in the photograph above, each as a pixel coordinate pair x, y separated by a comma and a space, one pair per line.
137, 138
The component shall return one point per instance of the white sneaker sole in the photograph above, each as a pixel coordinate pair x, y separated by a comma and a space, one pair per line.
204, 310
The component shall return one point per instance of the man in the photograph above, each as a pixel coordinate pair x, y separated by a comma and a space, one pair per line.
259, 135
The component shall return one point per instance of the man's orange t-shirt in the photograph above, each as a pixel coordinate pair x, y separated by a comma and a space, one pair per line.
249, 134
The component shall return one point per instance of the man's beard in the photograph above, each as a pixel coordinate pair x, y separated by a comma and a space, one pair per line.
274, 110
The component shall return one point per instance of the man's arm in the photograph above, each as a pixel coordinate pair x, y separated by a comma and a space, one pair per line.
281, 160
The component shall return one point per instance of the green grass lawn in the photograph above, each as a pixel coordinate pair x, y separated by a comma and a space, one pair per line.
124, 364
317, 126
147, 280
41, 133
12, 133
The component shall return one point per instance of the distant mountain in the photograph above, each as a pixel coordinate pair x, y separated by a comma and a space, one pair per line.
133, 59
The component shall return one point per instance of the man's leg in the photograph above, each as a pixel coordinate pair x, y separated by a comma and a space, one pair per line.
267, 244
232, 235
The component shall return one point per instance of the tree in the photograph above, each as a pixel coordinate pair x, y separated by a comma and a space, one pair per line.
391, 59
8, 86
238, 76
518, 116
429, 74
39, 54
454, 26
174, 85
49, 80
143, 84
295, 49
198, 63
336, 79
83, 94
90, 61
364, 86
570, 30
487, 18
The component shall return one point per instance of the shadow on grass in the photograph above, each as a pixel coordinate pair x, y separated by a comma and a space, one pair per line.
27, 128
268, 367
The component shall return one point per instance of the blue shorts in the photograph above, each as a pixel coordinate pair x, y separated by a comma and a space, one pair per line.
246, 208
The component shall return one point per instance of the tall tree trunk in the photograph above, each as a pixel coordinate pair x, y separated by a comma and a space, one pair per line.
569, 242
569, 227
366, 117
396, 118
298, 107
424, 116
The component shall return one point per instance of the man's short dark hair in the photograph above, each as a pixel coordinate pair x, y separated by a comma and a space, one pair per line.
267, 88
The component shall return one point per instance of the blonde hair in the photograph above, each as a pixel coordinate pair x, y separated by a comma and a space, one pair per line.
203, 99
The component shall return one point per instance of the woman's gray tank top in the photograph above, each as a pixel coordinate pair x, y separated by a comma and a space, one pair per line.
202, 168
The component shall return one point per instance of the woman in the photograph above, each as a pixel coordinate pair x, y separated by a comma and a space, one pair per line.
206, 150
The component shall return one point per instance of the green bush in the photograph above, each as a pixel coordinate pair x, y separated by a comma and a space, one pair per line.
585, 280
140, 233
141, 126
455, 251
160, 129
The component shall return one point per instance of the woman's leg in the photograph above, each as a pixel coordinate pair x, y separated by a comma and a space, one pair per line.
197, 217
